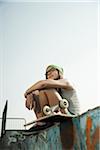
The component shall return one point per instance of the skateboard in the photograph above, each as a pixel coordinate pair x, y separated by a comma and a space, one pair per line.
50, 112
45, 123
52, 116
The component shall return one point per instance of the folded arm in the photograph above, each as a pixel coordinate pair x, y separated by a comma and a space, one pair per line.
49, 83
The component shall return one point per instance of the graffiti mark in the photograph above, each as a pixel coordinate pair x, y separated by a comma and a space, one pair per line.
91, 140
88, 132
96, 137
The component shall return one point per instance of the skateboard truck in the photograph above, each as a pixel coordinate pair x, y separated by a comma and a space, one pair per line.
63, 104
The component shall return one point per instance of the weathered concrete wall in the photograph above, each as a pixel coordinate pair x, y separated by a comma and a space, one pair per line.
87, 130
79, 133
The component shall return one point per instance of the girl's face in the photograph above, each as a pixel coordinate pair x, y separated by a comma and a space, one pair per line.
52, 74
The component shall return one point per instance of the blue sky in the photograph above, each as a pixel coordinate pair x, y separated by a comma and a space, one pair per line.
34, 35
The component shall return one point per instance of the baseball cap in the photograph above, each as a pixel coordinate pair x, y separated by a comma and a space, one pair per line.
55, 67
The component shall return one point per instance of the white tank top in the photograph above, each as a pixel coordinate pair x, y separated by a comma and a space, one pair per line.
71, 96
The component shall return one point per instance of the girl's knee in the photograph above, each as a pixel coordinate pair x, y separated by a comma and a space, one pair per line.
47, 91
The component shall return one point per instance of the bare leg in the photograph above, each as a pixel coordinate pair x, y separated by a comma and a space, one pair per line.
53, 98
47, 97
43, 100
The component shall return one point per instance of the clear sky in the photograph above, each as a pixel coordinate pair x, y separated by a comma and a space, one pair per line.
34, 35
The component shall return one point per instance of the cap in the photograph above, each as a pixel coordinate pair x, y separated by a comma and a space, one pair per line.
55, 67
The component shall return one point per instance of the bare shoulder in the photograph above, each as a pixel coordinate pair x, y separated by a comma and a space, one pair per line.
69, 83
65, 80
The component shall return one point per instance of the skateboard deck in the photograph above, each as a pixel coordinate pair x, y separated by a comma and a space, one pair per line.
51, 118
46, 122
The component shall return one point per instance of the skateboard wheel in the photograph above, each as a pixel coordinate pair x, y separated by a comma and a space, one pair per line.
64, 103
47, 110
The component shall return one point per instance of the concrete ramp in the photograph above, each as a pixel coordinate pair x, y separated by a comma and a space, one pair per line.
78, 133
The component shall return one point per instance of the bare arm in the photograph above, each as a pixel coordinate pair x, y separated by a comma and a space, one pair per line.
50, 83
61, 83
37, 86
